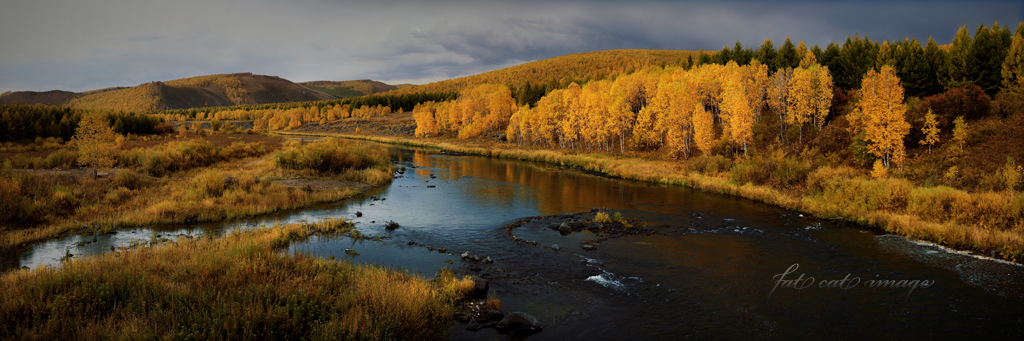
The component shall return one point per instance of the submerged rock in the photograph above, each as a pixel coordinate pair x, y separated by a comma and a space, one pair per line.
519, 323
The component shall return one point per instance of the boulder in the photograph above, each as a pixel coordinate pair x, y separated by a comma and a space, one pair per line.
518, 323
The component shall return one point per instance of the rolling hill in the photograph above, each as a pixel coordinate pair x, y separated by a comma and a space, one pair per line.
565, 69
346, 89
202, 91
52, 97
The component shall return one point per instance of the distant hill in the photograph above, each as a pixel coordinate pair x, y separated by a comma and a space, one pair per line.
346, 89
567, 68
52, 97
202, 91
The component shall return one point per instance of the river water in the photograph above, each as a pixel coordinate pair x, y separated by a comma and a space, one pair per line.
717, 266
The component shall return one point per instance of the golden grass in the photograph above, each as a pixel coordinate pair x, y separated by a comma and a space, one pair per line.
226, 190
985, 221
241, 286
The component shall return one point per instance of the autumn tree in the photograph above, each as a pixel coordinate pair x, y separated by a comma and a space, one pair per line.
1011, 174
778, 97
880, 116
703, 129
930, 130
95, 141
960, 129
736, 111
1013, 65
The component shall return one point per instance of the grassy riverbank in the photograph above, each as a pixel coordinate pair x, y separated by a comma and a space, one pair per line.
991, 223
240, 286
179, 182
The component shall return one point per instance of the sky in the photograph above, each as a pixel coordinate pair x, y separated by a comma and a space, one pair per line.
80, 45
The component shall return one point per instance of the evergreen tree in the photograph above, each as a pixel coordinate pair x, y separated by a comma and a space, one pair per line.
989, 53
961, 65
936, 69
885, 56
723, 56
766, 54
740, 55
787, 56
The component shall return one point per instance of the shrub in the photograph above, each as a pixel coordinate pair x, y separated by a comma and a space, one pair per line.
330, 157
211, 183
117, 195
62, 158
127, 178
155, 164
709, 165
602, 217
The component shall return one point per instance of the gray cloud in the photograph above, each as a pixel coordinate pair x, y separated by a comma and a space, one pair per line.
82, 45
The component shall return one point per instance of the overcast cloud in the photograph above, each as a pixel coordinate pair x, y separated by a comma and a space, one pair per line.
82, 45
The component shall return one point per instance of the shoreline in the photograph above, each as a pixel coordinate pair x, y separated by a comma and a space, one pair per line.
638, 168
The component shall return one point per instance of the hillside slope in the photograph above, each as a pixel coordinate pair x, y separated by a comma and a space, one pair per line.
202, 91
52, 97
346, 89
564, 69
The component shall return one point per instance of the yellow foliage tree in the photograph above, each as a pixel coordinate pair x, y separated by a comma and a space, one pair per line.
880, 115
960, 129
930, 130
95, 140
703, 129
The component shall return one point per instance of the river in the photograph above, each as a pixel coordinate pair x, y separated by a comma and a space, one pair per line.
717, 266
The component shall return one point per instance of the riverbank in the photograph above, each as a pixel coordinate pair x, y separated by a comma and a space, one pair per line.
995, 225
241, 286
185, 182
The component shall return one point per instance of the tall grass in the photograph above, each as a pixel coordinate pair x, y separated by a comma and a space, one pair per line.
240, 286
38, 206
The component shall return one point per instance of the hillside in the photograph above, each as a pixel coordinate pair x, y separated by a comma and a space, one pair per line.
52, 97
565, 69
202, 91
346, 89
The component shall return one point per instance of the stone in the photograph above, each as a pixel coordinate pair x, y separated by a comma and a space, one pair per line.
588, 246
555, 247
519, 323
488, 260
564, 227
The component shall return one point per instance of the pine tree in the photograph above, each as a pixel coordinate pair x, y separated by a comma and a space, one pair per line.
935, 72
766, 54
961, 67
1013, 65
787, 56
885, 56
989, 53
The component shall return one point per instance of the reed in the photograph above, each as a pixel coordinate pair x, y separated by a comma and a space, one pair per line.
240, 286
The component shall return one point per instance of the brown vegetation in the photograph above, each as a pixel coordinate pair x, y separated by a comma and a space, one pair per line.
241, 286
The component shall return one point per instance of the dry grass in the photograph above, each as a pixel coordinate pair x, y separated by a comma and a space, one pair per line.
240, 286
202, 188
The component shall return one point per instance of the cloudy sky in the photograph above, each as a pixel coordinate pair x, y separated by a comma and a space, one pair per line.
82, 45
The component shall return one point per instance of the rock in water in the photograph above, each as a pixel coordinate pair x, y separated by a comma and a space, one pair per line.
588, 246
480, 287
555, 247
519, 323
564, 227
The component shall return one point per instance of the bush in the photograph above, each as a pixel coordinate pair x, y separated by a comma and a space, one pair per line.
62, 158
117, 195
155, 164
127, 178
708, 165
330, 157
211, 183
